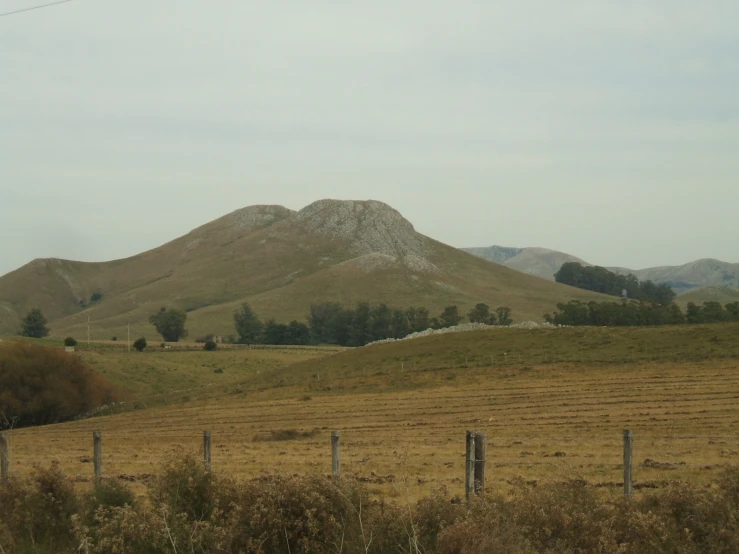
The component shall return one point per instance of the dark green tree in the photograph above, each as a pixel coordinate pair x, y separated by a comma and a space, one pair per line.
380, 323
139, 344
481, 314
418, 319
248, 326
170, 324
714, 312
694, 313
450, 317
297, 333
322, 319
399, 327
732, 310
70, 341
34, 325
504, 315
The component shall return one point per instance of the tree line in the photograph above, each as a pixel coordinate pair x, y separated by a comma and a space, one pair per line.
637, 313
333, 323
600, 279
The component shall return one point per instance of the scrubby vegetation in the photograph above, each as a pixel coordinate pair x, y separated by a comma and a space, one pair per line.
629, 314
41, 384
191, 510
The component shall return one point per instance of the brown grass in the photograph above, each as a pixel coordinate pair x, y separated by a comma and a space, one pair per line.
543, 422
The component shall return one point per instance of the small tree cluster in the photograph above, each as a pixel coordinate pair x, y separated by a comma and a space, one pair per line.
481, 313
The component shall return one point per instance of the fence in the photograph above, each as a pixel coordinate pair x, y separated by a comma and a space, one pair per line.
475, 459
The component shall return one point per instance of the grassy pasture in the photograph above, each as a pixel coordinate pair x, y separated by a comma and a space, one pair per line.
554, 407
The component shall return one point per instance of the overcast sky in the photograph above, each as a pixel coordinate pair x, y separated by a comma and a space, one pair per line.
605, 129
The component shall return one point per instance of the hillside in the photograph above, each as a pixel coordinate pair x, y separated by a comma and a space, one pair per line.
544, 263
278, 260
540, 262
690, 276
723, 295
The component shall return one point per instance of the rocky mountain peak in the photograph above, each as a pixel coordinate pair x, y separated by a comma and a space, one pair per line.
370, 226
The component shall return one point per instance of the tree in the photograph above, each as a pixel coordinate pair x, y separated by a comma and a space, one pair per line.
400, 327
170, 324
248, 326
139, 344
34, 325
70, 341
481, 314
504, 315
450, 317
418, 319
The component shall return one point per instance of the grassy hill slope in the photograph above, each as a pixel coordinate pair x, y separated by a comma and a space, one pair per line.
723, 295
279, 261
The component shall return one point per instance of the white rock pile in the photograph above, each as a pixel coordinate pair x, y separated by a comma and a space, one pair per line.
470, 327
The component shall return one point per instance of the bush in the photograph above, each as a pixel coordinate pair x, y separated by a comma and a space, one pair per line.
41, 385
210, 346
114, 339
70, 341
192, 510
107, 495
139, 344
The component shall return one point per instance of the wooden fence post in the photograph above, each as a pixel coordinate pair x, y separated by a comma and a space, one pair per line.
97, 460
469, 477
4, 457
335, 453
480, 455
628, 459
206, 450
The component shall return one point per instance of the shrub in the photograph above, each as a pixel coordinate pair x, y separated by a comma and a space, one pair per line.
210, 346
139, 344
107, 495
70, 341
41, 385
114, 339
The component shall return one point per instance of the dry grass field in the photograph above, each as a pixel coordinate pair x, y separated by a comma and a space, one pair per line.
553, 407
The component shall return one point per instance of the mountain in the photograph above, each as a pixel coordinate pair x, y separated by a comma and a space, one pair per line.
684, 278
278, 260
691, 276
541, 262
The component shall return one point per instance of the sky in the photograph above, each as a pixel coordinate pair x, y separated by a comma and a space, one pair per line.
605, 129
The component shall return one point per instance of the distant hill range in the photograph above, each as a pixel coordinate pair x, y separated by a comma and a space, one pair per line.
722, 277
278, 260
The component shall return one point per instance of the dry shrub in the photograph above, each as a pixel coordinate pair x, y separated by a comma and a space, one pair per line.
561, 517
485, 528
36, 514
42, 384
191, 510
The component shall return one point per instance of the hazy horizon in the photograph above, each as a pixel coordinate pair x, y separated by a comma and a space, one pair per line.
605, 130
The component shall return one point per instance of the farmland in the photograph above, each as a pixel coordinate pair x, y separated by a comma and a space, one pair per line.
552, 402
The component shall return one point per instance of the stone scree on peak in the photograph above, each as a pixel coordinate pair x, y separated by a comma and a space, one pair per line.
370, 226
